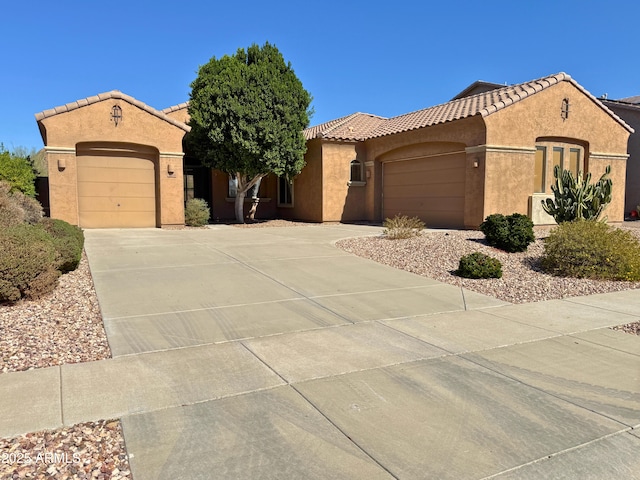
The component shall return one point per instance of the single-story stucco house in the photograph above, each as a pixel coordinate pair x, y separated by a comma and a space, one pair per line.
629, 110
115, 162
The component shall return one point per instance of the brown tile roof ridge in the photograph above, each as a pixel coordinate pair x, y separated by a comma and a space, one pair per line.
355, 126
175, 108
112, 95
483, 104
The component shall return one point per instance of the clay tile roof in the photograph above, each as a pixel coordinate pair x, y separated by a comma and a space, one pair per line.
114, 94
175, 108
483, 104
356, 126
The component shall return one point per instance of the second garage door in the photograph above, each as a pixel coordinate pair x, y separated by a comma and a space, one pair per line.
430, 188
116, 188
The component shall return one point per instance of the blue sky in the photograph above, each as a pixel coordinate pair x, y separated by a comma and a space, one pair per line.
385, 58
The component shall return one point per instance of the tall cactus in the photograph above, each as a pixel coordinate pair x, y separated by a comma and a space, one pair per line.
575, 198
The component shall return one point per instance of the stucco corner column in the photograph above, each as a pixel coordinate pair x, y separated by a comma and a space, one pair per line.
63, 183
170, 192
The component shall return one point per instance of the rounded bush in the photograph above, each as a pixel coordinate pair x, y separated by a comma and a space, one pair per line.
27, 263
196, 212
513, 233
479, 265
591, 249
68, 241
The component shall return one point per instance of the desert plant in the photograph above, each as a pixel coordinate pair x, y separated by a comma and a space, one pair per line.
196, 212
68, 241
27, 263
401, 226
576, 198
591, 249
479, 265
511, 233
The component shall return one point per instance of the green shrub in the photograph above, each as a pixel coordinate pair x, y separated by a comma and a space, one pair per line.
402, 226
591, 249
196, 212
511, 234
68, 241
27, 263
479, 265
18, 172
17, 208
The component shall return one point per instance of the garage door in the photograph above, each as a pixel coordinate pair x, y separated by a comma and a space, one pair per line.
430, 188
116, 189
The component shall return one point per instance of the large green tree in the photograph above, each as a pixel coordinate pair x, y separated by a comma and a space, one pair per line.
248, 112
17, 170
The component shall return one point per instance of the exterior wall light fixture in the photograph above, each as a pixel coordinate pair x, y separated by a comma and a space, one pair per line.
116, 114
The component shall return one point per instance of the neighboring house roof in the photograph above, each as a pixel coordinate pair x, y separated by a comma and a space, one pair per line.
356, 126
483, 104
477, 87
635, 99
112, 95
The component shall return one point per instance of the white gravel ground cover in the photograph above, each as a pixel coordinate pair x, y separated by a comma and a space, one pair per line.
436, 254
66, 327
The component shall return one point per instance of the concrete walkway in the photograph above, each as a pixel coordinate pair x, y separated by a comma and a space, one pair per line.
269, 353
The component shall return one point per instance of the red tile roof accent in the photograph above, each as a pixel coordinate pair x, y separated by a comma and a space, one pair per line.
112, 95
483, 104
356, 126
175, 108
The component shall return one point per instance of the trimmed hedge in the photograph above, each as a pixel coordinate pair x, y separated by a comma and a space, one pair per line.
513, 233
479, 265
28, 260
591, 249
68, 241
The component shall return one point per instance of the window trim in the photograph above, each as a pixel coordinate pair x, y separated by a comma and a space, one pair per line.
543, 149
291, 193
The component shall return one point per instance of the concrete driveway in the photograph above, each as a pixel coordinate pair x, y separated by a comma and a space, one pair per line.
269, 353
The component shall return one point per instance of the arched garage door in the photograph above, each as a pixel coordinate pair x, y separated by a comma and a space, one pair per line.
430, 188
116, 186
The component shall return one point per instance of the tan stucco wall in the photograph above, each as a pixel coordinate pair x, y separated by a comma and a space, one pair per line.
181, 115
521, 124
442, 138
631, 115
341, 201
93, 124
63, 184
307, 187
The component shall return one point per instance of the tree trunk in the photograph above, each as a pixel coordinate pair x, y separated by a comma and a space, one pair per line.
239, 205
252, 211
241, 193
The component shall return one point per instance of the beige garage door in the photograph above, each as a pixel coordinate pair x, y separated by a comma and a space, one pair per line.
116, 189
431, 188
